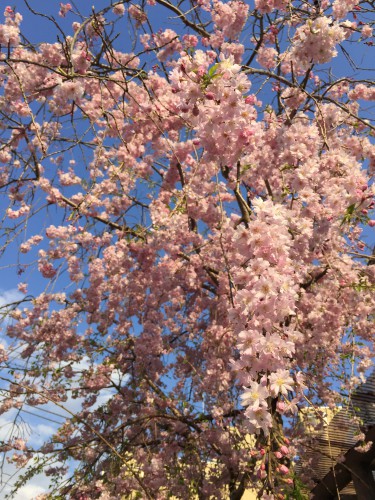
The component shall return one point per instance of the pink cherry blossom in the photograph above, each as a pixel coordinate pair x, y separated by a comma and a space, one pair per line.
64, 9
186, 222
280, 382
254, 395
119, 9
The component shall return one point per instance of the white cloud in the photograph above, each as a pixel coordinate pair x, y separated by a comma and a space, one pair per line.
36, 486
37, 424
30, 491
40, 434
7, 424
10, 296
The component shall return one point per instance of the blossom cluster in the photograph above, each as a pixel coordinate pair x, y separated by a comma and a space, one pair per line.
230, 17
204, 254
315, 42
9, 32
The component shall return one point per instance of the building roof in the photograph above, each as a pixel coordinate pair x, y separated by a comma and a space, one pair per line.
334, 436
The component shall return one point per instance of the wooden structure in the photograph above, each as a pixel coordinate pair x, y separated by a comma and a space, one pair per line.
342, 472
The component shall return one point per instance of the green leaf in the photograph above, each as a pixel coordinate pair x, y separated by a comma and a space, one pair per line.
212, 70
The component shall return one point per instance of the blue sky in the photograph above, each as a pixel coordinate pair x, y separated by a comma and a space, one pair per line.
39, 29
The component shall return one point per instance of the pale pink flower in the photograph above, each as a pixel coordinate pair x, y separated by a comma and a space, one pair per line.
364, 447
267, 6
137, 14
316, 42
69, 90
19, 444
254, 395
259, 418
227, 67
119, 9
230, 17
366, 31
280, 382
64, 9
340, 8
22, 287
267, 57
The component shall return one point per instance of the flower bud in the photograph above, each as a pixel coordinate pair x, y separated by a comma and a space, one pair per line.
284, 450
284, 469
250, 99
280, 406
